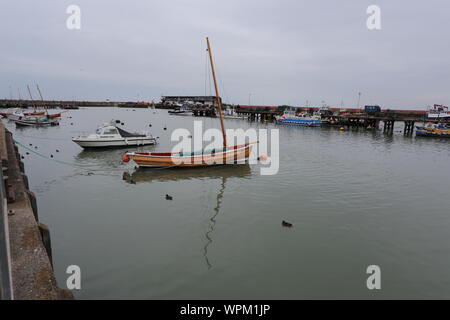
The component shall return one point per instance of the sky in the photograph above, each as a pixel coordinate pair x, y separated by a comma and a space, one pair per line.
265, 52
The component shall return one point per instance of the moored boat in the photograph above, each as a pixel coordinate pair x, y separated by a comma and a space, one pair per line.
236, 154
30, 121
109, 135
438, 111
438, 130
290, 117
228, 155
180, 111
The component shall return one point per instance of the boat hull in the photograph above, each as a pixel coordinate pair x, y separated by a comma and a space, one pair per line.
433, 133
35, 123
232, 155
116, 143
14, 117
300, 122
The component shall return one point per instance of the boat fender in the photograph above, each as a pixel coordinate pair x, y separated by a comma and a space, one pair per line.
125, 158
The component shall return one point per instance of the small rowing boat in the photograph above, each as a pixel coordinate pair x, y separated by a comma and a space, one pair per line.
228, 155
34, 121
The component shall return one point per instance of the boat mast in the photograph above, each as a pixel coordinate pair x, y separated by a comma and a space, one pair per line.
219, 102
31, 97
42, 99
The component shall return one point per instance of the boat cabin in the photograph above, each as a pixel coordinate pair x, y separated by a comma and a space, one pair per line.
107, 130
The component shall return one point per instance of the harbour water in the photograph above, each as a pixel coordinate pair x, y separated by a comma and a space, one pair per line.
355, 198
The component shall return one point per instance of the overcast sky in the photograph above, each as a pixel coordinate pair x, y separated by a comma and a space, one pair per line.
280, 52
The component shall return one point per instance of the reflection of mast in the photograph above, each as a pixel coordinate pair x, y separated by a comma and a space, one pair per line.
213, 222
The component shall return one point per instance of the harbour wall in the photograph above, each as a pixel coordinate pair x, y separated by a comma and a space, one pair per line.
26, 268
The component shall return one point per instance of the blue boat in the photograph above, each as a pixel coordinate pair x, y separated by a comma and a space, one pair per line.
290, 117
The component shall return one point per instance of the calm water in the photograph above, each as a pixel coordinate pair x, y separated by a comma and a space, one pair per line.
355, 199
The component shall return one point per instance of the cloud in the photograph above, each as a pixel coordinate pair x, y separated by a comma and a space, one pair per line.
279, 51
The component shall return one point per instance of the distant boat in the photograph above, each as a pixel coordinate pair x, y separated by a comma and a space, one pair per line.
202, 158
36, 121
69, 107
15, 114
232, 114
290, 117
438, 111
109, 135
438, 130
181, 111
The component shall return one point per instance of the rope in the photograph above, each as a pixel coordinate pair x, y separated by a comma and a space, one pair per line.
76, 165
46, 157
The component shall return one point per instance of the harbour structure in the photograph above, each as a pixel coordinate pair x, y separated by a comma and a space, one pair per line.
350, 117
26, 267
199, 105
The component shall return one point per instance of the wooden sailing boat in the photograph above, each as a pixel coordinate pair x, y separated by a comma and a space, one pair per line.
35, 112
226, 155
49, 116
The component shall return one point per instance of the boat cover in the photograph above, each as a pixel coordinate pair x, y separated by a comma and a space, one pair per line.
127, 134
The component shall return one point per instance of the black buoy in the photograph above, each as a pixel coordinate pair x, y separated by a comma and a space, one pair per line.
150, 125
27, 153
51, 156
286, 224
57, 150
169, 197
165, 128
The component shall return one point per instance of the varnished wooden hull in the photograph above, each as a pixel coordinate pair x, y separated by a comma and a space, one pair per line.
232, 155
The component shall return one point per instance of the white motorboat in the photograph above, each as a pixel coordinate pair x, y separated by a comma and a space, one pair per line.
109, 135
15, 114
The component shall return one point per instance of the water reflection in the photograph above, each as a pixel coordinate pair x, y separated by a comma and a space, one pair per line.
212, 223
104, 159
142, 175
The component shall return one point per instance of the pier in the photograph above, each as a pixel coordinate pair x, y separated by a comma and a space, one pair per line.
26, 268
353, 117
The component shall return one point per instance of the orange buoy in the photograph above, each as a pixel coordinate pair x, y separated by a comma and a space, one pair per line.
125, 158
